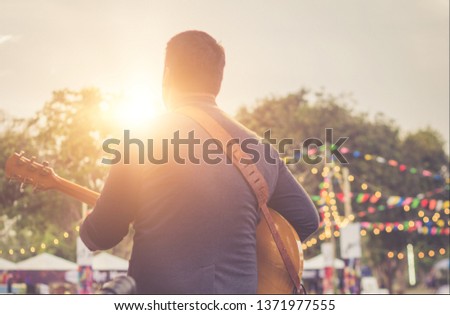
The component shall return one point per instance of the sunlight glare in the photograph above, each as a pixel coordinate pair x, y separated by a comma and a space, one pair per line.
136, 108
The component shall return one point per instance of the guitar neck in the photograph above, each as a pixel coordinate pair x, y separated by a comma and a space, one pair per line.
76, 191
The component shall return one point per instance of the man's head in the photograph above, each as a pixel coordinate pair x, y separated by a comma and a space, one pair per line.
194, 64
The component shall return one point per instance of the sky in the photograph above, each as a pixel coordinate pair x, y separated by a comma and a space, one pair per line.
391, 56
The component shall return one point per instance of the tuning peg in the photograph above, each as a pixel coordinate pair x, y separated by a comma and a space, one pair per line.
20, 160
21, 153
21, 187
45, 163
33, 158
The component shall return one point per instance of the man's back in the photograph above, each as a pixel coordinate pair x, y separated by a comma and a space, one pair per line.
195, 227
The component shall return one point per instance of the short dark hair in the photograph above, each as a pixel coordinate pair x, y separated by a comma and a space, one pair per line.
195, 61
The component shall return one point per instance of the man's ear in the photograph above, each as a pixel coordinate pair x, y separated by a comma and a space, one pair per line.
166, 86
166, 76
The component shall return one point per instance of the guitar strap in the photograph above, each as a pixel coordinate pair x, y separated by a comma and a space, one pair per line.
251, 174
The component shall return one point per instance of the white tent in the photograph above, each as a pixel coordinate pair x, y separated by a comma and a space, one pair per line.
6, 264
46, 262
105, 262
443, 264
318, 262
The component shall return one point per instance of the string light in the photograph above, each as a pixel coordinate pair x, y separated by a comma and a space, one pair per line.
420, 255
435, 217
42, 246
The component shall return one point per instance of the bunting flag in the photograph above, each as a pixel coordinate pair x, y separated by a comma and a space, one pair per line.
393, 201
407, 226
361, 198
372, 209
393, 163
369, 157
415, 202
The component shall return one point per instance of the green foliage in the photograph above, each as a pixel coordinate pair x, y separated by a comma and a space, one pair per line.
68, 133
304, 115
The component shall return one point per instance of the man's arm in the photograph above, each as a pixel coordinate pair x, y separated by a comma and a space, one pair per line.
293, 203
109, 221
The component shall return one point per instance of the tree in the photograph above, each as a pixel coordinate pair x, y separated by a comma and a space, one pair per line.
304, 115
67, 132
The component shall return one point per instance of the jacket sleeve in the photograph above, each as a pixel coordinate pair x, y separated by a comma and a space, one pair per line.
293, 203
109, 221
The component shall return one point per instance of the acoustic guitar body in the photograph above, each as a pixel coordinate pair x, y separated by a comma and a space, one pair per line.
273, 278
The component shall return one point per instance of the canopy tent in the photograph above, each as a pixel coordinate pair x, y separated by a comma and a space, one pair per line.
318, 262
7, 265
443, 264
46, 261
106, 262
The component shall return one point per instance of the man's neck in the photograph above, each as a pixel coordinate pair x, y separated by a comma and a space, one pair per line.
190, 99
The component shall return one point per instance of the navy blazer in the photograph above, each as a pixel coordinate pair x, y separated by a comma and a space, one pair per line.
195, 222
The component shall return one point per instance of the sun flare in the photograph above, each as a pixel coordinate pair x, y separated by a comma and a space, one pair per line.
134, 109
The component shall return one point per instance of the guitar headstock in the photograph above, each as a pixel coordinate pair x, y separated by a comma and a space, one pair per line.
28, 171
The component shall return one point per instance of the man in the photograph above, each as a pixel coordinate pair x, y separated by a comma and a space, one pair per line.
194, 218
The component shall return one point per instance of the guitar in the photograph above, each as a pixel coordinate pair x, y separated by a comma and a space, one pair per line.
273, 277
